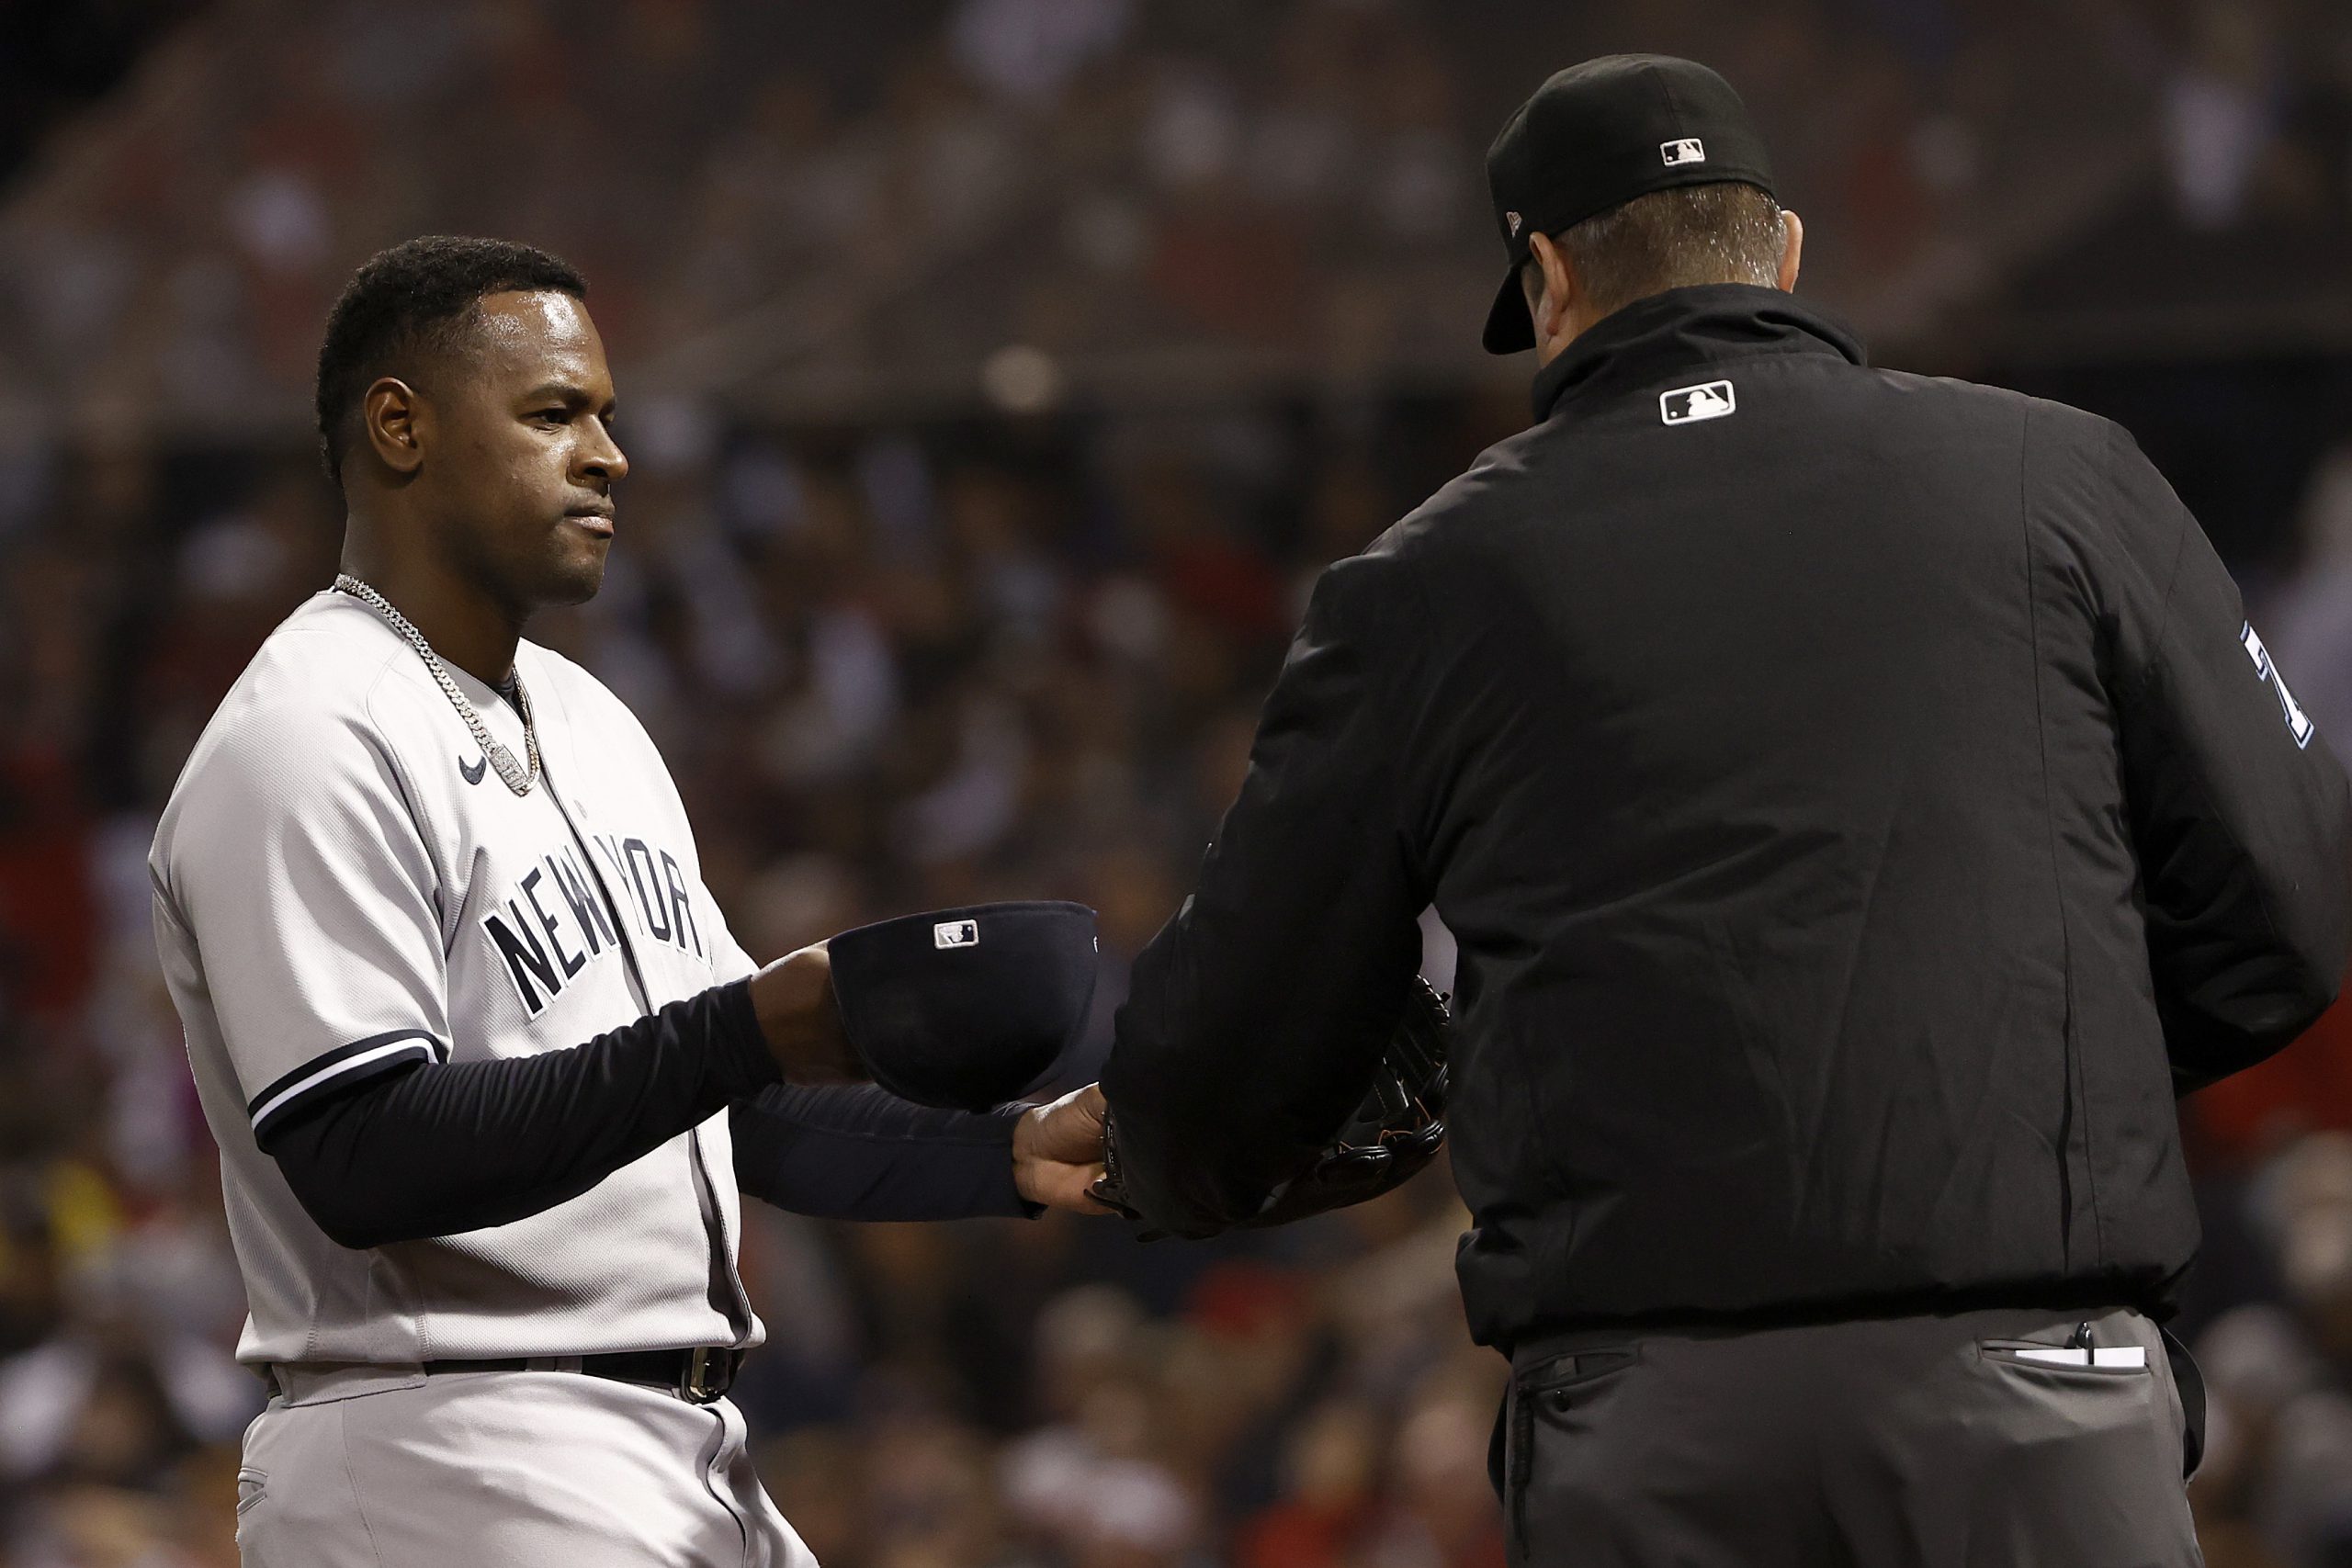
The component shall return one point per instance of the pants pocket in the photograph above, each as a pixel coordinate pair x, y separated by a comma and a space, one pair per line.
2073, 1451
1547, 1394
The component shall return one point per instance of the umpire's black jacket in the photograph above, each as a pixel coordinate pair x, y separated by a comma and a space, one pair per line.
1861, 806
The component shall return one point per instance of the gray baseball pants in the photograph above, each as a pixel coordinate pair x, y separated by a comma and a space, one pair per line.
386, 1467
1979, 1440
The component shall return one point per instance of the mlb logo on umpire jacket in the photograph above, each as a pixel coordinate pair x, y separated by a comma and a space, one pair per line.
1689, 405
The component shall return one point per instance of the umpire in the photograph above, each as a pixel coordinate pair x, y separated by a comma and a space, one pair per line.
1862, 807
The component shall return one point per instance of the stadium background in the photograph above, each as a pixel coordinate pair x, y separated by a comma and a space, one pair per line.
996, 374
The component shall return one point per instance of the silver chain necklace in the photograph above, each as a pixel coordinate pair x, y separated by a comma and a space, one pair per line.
517, 777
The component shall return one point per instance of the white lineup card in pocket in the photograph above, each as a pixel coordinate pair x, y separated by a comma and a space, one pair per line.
2117, 1357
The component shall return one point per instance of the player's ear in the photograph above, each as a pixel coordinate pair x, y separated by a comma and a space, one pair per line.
388, 413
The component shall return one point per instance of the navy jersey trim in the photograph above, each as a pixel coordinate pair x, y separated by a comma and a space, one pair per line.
342, 1068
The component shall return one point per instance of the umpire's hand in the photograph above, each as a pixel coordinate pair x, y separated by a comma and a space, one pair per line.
1057, 1151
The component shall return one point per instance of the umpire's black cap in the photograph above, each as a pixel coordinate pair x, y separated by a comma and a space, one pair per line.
968, 1008
1595, 136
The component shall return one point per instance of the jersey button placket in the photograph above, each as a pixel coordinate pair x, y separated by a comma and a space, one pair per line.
574, 814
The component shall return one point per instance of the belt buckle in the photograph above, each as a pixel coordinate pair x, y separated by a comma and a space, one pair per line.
707, 1375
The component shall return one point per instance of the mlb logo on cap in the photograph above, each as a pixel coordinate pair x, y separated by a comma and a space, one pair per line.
1689, 150
1689, 405
955, 933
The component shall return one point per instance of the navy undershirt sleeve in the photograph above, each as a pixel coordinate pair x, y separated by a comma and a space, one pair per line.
448, 1147
856, 1151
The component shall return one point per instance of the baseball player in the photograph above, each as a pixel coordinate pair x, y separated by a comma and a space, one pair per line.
465, 1020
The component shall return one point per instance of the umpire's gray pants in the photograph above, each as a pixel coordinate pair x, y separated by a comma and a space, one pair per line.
386, 1467
1973, 1440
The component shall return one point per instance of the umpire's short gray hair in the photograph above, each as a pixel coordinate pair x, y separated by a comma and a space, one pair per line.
1725, 233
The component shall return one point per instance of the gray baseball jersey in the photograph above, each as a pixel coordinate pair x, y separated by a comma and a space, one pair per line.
343, 886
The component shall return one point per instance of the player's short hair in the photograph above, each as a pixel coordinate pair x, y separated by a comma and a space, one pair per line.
1722, 232
416, 299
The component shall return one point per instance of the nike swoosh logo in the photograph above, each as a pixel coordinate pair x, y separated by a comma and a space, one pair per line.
474, 773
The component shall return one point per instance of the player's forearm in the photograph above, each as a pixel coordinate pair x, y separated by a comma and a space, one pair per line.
861, 1153
793, 1001
440, 1150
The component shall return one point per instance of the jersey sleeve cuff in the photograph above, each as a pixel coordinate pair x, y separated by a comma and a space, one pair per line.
336, 1071
743, 1059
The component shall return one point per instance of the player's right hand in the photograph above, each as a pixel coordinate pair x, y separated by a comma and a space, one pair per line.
794, 999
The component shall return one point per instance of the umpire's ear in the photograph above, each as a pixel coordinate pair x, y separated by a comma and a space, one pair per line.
1792, 250
389, 415
1552, 290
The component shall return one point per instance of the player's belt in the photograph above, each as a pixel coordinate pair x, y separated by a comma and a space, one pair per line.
699, 1376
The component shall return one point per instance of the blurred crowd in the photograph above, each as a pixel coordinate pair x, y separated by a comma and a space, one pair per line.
813, 206
900, 659
2257, 112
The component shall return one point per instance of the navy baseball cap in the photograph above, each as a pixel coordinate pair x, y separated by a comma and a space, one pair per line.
1595, 136
966, 1008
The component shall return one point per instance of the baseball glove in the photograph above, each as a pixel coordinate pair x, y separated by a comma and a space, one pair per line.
1395, 1130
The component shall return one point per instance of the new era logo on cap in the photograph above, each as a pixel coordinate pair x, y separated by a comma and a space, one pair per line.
1689, 150
955, 933
1514, 221
1689, 405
